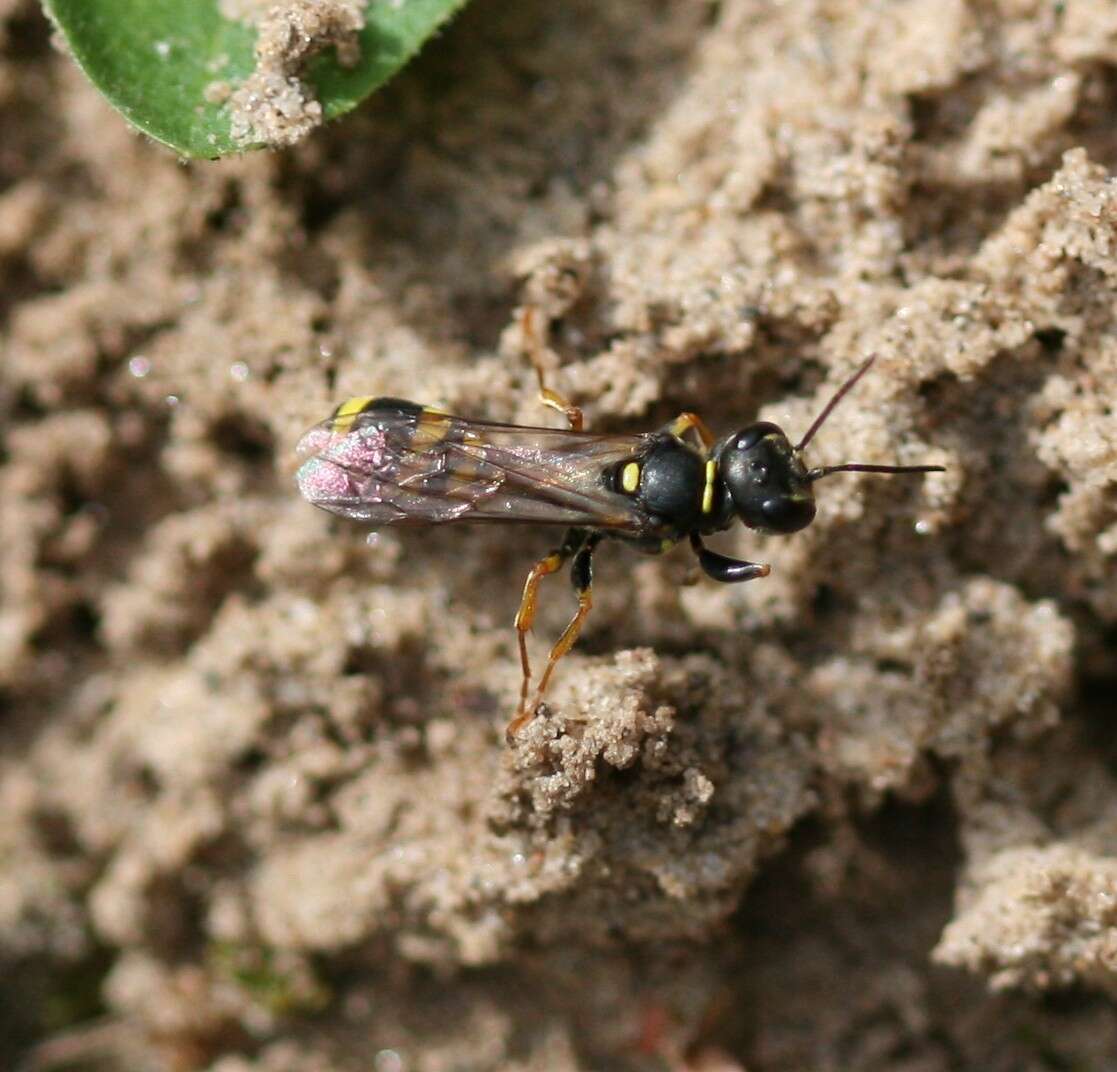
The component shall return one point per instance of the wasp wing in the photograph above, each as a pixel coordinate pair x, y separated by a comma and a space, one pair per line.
398, 464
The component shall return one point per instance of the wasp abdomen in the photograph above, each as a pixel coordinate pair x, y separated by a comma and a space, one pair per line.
347, 413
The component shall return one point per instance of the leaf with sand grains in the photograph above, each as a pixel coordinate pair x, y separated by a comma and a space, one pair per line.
212, 77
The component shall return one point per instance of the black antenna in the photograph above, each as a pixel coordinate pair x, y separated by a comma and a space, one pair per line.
854, 467
830, 406
858, 467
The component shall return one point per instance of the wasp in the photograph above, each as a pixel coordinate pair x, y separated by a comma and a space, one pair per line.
387, 461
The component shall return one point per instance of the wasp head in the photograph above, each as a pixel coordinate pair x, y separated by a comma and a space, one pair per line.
766, 479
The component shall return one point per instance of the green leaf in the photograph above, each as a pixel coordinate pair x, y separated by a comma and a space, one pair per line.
162, 62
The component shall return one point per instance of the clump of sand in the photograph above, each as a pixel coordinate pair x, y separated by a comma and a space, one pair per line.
274, 105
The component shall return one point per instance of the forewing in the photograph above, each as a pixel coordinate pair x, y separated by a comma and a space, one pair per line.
399, 467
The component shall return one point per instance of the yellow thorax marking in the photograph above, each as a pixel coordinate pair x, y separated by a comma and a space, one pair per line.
708, 490
346, 414
630, 477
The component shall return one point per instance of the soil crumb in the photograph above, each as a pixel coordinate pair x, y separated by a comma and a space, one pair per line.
274, 106
259, 814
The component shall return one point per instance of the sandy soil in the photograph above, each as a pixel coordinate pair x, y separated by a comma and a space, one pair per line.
258, 811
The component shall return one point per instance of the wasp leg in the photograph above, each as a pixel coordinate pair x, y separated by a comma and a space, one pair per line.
726, 570
533, 338
525, 616
684, 422
581, 576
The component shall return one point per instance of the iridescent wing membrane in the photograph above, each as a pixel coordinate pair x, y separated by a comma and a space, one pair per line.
388, 462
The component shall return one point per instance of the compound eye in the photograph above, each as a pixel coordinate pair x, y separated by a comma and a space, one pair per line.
749, 437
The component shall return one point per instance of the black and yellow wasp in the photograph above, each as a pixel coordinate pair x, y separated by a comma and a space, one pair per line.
385, 461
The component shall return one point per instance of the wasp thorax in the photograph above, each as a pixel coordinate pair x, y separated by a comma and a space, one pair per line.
767, 481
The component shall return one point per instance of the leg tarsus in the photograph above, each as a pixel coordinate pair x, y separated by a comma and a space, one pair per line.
523, 717
535, 344
724, 569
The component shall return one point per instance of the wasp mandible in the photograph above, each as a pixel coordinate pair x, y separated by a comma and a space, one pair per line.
386, 461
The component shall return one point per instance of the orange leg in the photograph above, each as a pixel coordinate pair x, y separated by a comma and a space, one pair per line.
581, 546
581, 575
565, 642
536, 347
525, 619
684, 422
